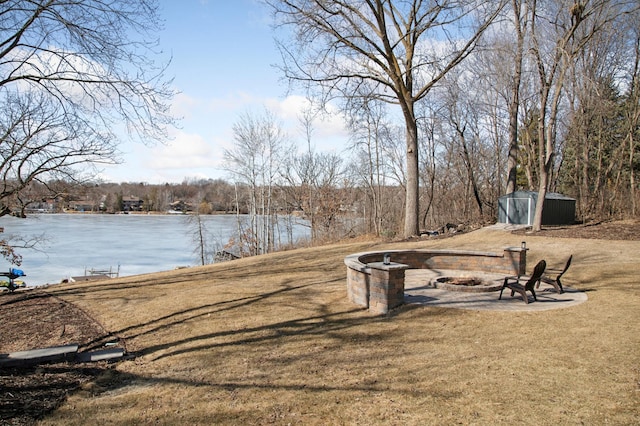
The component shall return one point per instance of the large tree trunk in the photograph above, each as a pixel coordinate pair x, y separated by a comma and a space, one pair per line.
512, 160
543, 176
634, 119
412, 210
546, 152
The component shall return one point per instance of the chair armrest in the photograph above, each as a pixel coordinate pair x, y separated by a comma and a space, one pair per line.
511, 278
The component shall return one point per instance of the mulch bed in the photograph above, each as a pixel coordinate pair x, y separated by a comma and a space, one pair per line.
628, 230
29, 393
34, 319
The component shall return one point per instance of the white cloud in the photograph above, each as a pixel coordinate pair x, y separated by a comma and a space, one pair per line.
184, 105
236, 101
185, 151
329, 129
199, 151
289, 108
332, 125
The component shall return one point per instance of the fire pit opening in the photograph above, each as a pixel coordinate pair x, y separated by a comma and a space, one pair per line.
468, 281
468, 284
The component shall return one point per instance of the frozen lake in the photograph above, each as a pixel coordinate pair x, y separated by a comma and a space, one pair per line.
136, 244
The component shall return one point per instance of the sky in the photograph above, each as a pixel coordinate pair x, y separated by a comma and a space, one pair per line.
222, 61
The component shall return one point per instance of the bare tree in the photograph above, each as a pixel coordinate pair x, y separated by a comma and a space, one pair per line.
560, 30
429, 124
200, 236
315, 185
329, 188
462, 115
254, 162
633, 119
369, 134
518, 8
75, 78
301, 171
401, 49
603, 124
42, 143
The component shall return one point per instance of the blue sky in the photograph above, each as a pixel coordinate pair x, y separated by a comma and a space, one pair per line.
222, 56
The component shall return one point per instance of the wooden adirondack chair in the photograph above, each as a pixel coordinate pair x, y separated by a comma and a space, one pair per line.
556, 283
513, 283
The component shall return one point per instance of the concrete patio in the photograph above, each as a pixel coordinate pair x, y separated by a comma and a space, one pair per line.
418, 290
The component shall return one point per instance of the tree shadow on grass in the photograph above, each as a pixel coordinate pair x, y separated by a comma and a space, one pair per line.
194, 313
115, 381
324, 323
32, 393
313, 325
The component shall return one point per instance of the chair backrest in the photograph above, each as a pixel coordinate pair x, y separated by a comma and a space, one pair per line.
537, 274
566, 266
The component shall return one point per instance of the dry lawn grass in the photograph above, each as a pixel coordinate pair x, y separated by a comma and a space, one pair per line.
273, 340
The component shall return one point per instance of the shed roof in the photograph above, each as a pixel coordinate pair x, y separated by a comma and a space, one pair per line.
534, 194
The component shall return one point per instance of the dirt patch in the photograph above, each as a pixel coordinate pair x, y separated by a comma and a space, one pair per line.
33, 319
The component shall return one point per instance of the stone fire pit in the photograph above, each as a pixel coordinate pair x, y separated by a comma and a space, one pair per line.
376, 279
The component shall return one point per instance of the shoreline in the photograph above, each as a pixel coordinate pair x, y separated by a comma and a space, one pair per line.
134, 213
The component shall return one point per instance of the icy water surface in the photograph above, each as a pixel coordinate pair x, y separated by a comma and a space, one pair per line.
135, 244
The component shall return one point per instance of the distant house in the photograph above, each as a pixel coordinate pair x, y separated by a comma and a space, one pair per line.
46, 205
81, 206
131, 203
225, 256
180, 206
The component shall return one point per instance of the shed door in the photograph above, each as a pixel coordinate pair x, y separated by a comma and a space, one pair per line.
520, 211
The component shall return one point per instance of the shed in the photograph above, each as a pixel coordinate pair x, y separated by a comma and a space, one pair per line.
519, 208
